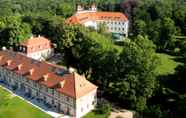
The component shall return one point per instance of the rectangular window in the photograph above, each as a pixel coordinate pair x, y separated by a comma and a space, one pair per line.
67, 98
51, 91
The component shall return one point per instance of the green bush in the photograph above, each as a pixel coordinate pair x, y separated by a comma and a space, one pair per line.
104, 108
155, 112
119, 116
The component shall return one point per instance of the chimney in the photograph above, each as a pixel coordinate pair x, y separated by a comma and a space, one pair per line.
1, 57
32, 71
20, 66
79, 8
31, 37
71, 70
93, 7
45, 77
4, 48
9, 62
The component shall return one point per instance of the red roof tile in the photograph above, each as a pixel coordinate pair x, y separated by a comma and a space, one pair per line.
80, 18
35, 41
79, 84
74, 85
52, 80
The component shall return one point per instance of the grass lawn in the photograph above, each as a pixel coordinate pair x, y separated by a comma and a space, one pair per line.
94, 115
167, 64
14, 107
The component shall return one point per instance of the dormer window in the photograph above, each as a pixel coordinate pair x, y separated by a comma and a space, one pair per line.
9, 62
20, 48
40, 47
45, 77
62, 83
1, 57
20, 66
24, 49
31, 71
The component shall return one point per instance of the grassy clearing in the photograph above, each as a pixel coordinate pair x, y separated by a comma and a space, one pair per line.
95, 115
167, 64
14, 107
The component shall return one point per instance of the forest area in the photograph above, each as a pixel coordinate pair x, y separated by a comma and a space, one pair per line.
128, 70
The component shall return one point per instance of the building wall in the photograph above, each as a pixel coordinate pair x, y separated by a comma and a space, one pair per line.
86, 103
120, 27
62, 103
40, 55
91, 24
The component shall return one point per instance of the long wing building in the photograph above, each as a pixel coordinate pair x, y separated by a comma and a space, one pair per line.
62, 89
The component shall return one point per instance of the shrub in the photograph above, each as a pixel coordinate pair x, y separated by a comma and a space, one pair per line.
119, 116
104, 109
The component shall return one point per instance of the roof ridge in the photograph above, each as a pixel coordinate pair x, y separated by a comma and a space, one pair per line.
75, 87
74, 77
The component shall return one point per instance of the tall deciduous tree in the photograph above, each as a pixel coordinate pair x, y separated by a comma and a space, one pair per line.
14, 31
135, 79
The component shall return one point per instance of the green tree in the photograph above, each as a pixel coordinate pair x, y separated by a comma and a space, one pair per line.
135, 81
14, 31
65, 9
5, 8
168, 32
140, 27
180, 16
155, 112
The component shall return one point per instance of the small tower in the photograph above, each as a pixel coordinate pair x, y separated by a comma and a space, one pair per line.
79, 9
93, 7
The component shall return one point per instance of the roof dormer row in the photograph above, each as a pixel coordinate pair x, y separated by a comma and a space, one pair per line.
68, 82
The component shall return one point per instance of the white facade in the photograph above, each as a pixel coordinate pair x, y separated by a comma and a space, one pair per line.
86, 103
41, 55
91, 23
119, 27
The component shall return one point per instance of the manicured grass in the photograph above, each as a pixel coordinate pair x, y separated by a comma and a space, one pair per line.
94, 115
14, 107
167, 64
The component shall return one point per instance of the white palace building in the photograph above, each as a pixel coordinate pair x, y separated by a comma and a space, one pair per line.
60, 88
115, 22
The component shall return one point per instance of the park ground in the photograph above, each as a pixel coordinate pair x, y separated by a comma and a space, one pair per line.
13, 107
167, 64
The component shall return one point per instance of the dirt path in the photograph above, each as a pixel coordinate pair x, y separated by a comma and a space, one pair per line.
121, 114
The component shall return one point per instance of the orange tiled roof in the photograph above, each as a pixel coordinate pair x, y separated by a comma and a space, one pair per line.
80, 84
80, 18
35, 41
74, 85
52, 80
